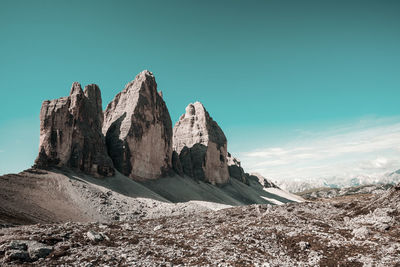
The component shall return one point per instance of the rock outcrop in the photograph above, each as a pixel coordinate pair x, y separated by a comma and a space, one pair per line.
262, 180
235, 169
201, 145
70, 133
138, 130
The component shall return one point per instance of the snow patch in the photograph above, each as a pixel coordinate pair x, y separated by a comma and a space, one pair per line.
284, 194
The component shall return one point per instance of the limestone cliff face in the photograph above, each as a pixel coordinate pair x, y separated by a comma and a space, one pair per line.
138, 130
70, 133
201, 145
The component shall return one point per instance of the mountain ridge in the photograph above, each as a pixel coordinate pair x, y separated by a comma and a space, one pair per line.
104, 163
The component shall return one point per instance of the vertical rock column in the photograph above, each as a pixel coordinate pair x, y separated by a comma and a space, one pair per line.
70, 133
201, 145
138, 130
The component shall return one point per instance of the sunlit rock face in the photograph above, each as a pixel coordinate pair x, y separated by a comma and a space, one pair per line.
201, 145
138, 130
71, 135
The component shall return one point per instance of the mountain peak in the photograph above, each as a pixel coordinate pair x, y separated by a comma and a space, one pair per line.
75, 88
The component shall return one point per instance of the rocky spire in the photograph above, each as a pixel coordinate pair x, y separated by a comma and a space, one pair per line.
70, 133
201, 145
138, 130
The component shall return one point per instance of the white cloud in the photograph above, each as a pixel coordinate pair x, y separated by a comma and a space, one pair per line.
368, 147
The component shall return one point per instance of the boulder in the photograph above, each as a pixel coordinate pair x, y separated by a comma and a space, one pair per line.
201, 145
70, 133
38, 250
138, 130
17, 255
26, 250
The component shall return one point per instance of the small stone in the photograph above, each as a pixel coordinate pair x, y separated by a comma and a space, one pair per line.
93, 236
360, 233
304, 245
158, 227
127, 227
382, 226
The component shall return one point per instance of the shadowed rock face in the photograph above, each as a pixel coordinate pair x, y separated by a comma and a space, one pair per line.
70, 133
201, 145
235, 169
138, 130
176, 164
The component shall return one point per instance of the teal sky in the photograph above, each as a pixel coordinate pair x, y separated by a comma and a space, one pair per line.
265, 70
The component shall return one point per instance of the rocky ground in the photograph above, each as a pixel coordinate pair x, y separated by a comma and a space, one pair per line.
61, 195
40, 196
346, 231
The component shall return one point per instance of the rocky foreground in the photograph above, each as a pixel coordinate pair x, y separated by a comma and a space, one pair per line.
346, 231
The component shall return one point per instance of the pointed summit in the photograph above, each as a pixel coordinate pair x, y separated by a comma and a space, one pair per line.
201, 145
75, 88
138, 130
197, 126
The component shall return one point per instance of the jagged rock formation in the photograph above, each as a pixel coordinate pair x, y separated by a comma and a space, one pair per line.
201, 145
70, 133
262, 180
235, 169
138, 130
136, 137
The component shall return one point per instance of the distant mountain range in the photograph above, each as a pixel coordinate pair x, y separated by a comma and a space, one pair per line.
299, 185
